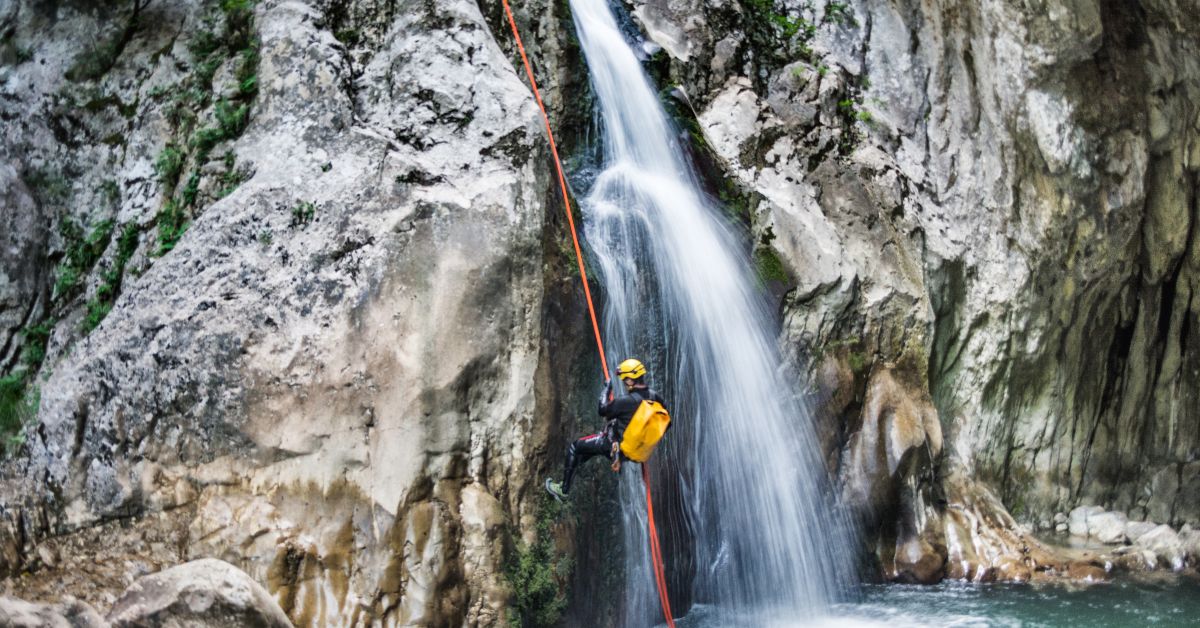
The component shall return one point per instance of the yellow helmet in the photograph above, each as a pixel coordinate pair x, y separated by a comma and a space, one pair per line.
631, 369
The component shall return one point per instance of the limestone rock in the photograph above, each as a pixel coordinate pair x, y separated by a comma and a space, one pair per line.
1107, 527
1165, 543
1135, 529
1079, 519
204, 593
16, 613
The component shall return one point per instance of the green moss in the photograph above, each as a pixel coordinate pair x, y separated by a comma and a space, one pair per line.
535, 572
348, 36
769, 266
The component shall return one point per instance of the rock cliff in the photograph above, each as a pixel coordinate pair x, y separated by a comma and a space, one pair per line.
982, 218
275, 286
281, 282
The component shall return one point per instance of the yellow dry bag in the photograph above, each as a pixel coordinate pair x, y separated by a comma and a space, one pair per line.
645, 429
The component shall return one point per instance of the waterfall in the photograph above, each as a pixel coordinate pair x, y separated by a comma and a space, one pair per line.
741, 468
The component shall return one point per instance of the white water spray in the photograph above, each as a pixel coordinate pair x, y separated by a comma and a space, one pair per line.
740, 473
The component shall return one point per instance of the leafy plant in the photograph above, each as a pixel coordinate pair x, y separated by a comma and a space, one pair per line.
231, 119
169, 164
81, 254
839, 13
303, 213
106, 294
172, 223
48, 185
18, 406
36, 338
535, 571
231, 178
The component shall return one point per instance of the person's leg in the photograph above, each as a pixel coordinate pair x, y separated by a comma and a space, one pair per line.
580, 451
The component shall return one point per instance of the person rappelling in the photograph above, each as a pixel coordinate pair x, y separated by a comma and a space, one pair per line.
636, 422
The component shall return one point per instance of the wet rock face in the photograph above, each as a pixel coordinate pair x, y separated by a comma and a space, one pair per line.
338, 369
996, 203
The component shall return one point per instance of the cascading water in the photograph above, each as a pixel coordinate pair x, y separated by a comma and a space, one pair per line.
741, 462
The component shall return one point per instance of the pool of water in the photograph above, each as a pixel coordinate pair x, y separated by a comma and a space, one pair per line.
1168, 601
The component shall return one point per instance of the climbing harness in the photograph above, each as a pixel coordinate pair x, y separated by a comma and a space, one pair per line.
655, 550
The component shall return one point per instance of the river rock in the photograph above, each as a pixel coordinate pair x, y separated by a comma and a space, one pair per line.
1086, 572
204, 593
16, 613
1135, 529
1078, 525
1107, 527
1191, 545
1166, 545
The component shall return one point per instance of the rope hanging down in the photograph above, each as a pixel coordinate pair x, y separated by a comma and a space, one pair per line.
655, 550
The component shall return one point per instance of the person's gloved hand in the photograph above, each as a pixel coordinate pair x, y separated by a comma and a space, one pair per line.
606, 392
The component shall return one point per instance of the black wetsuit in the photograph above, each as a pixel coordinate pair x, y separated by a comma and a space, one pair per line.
619, 411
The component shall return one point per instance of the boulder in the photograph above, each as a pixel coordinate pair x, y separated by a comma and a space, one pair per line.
1191, 545
1107, 527
1086, 572
1135, 529
16, 613
1077, 521
206, 593
1166, 545
1060, 518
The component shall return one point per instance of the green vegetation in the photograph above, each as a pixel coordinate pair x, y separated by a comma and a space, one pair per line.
227, 35
768, 27
168, 165
839, 13
81, 254
769, 266
47, 185
101, 304
265, 237
231, 178
535, 572
303, 214
172, 223
36, 339
18, 406
348, 36
19, 399
95, 62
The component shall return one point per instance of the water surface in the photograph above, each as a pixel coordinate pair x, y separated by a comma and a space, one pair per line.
1166, 602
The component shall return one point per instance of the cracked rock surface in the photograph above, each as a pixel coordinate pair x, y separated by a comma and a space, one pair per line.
993, 204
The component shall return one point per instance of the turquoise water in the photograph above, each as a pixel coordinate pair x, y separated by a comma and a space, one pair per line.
1164, 602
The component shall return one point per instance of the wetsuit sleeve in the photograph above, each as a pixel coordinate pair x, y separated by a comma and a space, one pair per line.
605, 407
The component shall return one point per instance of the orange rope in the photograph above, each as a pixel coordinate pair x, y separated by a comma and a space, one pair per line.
562, 184
655, 550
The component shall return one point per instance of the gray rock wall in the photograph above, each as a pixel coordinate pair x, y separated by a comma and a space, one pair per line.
331, 344
992, 203
337, 377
